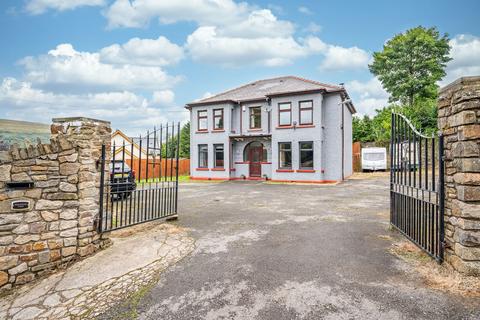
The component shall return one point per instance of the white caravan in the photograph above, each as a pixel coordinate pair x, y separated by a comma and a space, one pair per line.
374, 159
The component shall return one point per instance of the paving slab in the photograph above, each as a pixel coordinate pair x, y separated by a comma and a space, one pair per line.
94, 284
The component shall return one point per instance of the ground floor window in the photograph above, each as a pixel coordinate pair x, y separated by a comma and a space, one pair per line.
306, 155
202, 156
219, 155
285, 155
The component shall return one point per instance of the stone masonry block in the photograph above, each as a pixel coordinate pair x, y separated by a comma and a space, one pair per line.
466, 149
469, 132
468, 193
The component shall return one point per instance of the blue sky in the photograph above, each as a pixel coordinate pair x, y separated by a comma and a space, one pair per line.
136, 63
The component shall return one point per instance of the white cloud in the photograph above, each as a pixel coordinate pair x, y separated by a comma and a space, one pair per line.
41, 6
163, 97
313, 28
340, 58
144, 52
66, 69
465, 51
259, 23
126, 110
305, 10
138, 13
367, 96
207, 45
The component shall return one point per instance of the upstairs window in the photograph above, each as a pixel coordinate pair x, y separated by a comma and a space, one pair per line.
285, 114
255, 118
218, 154
217, 119
202, 120
285, 155
306, 112
306, 155
202, 156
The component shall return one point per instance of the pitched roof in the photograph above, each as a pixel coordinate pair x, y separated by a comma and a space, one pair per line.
262, 89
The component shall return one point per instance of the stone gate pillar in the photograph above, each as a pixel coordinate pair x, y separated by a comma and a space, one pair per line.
459, 121
88, 135
49, 200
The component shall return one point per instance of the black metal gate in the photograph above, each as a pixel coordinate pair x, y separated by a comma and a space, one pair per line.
139, 179
417, 186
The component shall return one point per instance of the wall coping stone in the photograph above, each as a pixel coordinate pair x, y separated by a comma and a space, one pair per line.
81, 119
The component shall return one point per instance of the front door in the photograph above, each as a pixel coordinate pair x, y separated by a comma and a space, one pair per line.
255, 158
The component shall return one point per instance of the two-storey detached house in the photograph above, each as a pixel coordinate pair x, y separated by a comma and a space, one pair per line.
283, 129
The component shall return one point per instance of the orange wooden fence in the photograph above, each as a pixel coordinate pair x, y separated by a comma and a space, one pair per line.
357, 157
154, 167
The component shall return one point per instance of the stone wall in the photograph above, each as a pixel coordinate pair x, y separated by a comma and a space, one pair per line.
459, 121
57, 224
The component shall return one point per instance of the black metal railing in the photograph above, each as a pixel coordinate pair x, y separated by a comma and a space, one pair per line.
139, 179
417, 186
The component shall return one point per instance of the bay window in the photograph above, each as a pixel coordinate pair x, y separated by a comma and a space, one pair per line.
202, 156
306, 155
218, 155
285, 155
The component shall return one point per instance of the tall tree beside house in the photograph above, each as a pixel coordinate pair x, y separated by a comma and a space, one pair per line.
168, 150
411, 63
409, 67
185, 141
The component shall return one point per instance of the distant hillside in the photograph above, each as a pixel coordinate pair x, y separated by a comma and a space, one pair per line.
12, 131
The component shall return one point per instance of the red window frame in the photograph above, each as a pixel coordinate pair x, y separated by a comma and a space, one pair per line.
218, 116
251, 109
300, 109
199, 117
280, 111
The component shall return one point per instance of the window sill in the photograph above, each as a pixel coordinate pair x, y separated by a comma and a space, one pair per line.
218, 130
284, 127
202, 169
285, 170
218, 169
255, 129
306, 126
306, 171
201, 131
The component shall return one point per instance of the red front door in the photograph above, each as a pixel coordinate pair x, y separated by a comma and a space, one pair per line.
255, 158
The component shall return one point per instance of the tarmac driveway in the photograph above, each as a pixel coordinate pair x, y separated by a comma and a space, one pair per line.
275, 251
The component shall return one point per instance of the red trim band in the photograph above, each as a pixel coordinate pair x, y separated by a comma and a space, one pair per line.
307, 181
265, 162
208, 178
242, 162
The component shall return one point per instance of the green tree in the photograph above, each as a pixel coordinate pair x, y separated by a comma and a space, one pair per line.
411, 63
362, 129
185, 141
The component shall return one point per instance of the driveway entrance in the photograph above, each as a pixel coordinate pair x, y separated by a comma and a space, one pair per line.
275, 251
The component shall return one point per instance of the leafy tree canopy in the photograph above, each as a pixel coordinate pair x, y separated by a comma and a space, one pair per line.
411, 63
